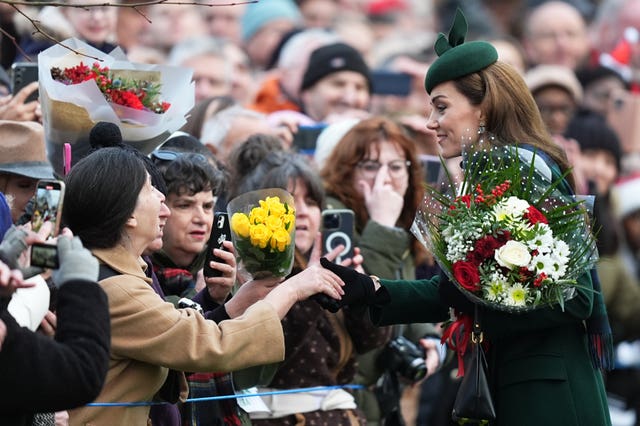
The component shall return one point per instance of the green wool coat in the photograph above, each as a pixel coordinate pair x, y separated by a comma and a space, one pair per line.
540, 371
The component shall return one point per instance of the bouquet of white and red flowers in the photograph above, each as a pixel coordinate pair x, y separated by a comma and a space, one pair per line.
81, 86
510, 235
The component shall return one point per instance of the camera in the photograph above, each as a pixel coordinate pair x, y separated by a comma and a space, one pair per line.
188, 303
44, 256
402, 356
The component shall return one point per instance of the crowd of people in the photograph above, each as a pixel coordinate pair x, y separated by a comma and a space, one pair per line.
345, 105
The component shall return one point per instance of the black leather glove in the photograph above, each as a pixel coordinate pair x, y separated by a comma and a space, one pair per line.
452, 296
358, 288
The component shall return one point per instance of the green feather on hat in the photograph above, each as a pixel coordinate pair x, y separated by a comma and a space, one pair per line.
457, 58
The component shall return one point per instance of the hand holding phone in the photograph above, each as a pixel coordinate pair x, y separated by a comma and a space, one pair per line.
338, 229
23, 74
220, 232
48, 205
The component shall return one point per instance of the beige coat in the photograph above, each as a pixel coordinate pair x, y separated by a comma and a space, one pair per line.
149, 336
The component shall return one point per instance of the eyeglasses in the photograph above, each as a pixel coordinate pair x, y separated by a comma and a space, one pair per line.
397, 168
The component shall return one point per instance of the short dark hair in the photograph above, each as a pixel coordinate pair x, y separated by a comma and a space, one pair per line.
101, 194
192, 173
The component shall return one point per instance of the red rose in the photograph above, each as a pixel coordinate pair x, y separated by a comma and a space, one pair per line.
534, 216
467, 275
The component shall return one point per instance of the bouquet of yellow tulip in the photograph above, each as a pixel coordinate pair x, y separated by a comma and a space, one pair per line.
263, 231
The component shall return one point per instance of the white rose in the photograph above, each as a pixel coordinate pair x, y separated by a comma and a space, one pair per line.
513, 255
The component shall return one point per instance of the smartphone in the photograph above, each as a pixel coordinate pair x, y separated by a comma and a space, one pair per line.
44, 255
23, 74
220, 232
48, 205
391, 83
304, 140
337, 228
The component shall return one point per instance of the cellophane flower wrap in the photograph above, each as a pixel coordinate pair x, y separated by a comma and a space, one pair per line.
510, 236
148, 102
263, 224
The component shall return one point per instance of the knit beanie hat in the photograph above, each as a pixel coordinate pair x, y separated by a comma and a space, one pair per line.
457, 58
334, 58
592, 132
259, 14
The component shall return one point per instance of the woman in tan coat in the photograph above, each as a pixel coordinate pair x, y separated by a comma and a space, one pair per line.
112, 206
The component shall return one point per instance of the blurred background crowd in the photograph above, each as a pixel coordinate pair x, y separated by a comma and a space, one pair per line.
338, 82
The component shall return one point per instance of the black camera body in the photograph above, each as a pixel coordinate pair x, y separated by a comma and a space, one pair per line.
402, 356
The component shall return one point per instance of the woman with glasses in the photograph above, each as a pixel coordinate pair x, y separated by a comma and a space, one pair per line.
374, 171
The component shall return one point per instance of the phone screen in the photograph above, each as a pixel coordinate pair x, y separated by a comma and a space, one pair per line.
48, 205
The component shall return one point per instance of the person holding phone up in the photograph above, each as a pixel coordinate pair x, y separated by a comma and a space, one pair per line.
46, 374
320, 347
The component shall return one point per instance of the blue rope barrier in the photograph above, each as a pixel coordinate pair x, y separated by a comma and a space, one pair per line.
213, 398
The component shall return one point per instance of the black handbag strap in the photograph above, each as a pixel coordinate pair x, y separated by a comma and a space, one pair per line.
477, 336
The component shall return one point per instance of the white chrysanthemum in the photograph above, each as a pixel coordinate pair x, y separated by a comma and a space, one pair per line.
543, 240
559, 268
561, 250
495, 289
542, 263
516, 295
512, 207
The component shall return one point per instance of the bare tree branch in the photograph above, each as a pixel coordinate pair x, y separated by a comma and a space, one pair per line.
136, 6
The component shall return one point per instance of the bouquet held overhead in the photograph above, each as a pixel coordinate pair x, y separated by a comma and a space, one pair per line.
81, 86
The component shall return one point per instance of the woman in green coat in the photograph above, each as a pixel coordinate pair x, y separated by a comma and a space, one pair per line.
540, 367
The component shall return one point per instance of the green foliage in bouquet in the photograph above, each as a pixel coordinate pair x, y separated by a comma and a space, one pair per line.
511, 235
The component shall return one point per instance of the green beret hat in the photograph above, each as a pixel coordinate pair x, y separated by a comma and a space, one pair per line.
457, 58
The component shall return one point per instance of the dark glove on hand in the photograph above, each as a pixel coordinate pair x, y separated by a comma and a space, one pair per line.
452, 296
13, 245
358, 288
76, 262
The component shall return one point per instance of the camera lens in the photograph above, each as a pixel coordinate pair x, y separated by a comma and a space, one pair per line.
331, 221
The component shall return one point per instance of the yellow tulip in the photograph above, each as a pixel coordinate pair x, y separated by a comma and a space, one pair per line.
240, 224
280, 240
258, 215
260, 235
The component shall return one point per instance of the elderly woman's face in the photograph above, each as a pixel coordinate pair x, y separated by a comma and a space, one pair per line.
453, 118
149, 214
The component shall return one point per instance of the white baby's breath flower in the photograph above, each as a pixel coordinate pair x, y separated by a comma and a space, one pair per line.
496, 288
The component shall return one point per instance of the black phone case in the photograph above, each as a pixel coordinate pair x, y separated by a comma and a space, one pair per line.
220, 232
336, 233
22, 74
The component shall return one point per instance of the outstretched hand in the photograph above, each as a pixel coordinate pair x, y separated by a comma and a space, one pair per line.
359, 288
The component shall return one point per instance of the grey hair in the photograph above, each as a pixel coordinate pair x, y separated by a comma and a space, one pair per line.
215, 129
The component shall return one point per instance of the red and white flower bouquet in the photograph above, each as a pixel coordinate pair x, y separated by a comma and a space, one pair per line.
509, 236
83, 86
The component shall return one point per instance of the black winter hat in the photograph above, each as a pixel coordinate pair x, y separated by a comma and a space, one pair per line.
333, 58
